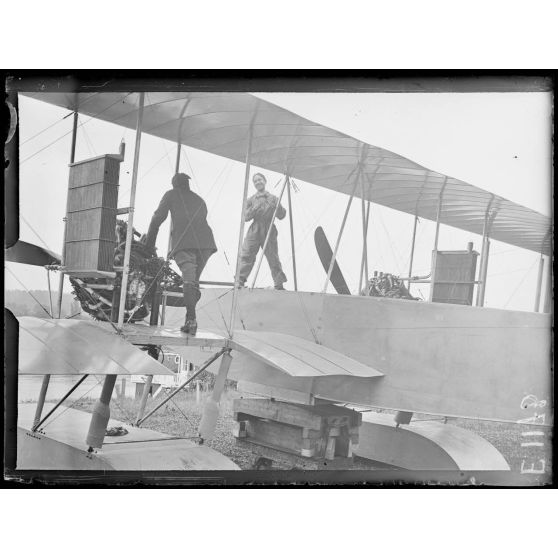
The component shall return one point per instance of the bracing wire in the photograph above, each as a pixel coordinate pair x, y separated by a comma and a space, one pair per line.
27, 290
87, 140
45, 129
82, 104
522, 281
34, 231
67, 407
70, 131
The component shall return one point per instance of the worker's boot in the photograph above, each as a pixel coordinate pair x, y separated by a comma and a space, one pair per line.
191, 297
190, 327
279, 287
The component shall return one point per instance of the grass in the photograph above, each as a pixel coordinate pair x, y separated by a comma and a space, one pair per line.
182, 415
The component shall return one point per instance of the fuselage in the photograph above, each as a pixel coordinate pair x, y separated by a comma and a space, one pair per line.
437, 358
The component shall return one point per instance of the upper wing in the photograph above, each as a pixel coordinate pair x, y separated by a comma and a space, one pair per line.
287, 143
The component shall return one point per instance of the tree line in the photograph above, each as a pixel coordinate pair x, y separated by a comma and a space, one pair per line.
34, 303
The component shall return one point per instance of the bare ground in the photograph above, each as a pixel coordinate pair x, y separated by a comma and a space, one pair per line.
182, 415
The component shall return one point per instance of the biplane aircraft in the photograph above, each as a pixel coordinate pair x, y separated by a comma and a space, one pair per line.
444, 356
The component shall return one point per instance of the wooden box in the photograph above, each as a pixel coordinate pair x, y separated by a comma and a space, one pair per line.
92, 224
314, 431
92, 196
92, 171
453, 276
91, 216
89, 256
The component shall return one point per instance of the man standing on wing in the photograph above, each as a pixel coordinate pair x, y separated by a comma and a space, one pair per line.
259, 210
192, 241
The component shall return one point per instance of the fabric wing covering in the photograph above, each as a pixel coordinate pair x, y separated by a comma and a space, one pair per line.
287, 143
70, 347
297, 357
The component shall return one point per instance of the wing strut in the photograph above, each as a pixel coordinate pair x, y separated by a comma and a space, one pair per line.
540, 275
38, 412
292, 235
63, 258
209, 361
364, 258
489, 217
241, 232
130, 226
333, 259
411, 257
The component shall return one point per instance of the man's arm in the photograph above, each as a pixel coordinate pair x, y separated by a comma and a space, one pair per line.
280, 210
250, 212
157, 220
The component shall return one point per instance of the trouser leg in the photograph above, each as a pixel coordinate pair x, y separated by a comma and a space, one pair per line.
192, 264
202, 257
248, 255
272, 256
191, 297
187, 262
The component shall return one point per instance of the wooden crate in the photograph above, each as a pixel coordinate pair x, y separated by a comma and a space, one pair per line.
101, 194
313, 431
91, 217
92, 171
89, 255
92, 224
453, 276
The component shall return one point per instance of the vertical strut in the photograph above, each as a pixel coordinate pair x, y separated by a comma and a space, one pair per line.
334, 256
211, 409
61, 278
540, 274
241, 231
66, 395
435, 250
483, 268
41, 401
364, 240
130, 226
178, 150
46, 377
412, 252
101, 414
539, 285
412, 257
292, 236
439, 213
366, 221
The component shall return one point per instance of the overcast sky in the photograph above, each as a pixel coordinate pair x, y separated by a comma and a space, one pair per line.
500, 142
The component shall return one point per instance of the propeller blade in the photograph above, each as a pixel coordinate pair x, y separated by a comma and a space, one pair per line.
31, 254
326, 254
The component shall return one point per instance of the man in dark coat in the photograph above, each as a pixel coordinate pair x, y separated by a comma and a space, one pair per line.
259, 210
192, 241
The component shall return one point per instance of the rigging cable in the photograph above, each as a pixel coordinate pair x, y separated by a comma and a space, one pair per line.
87, 140
34, 231
28, 291
70, 131
45, 129
396, 258
58, 121
73, 403
522, 281
114, 400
